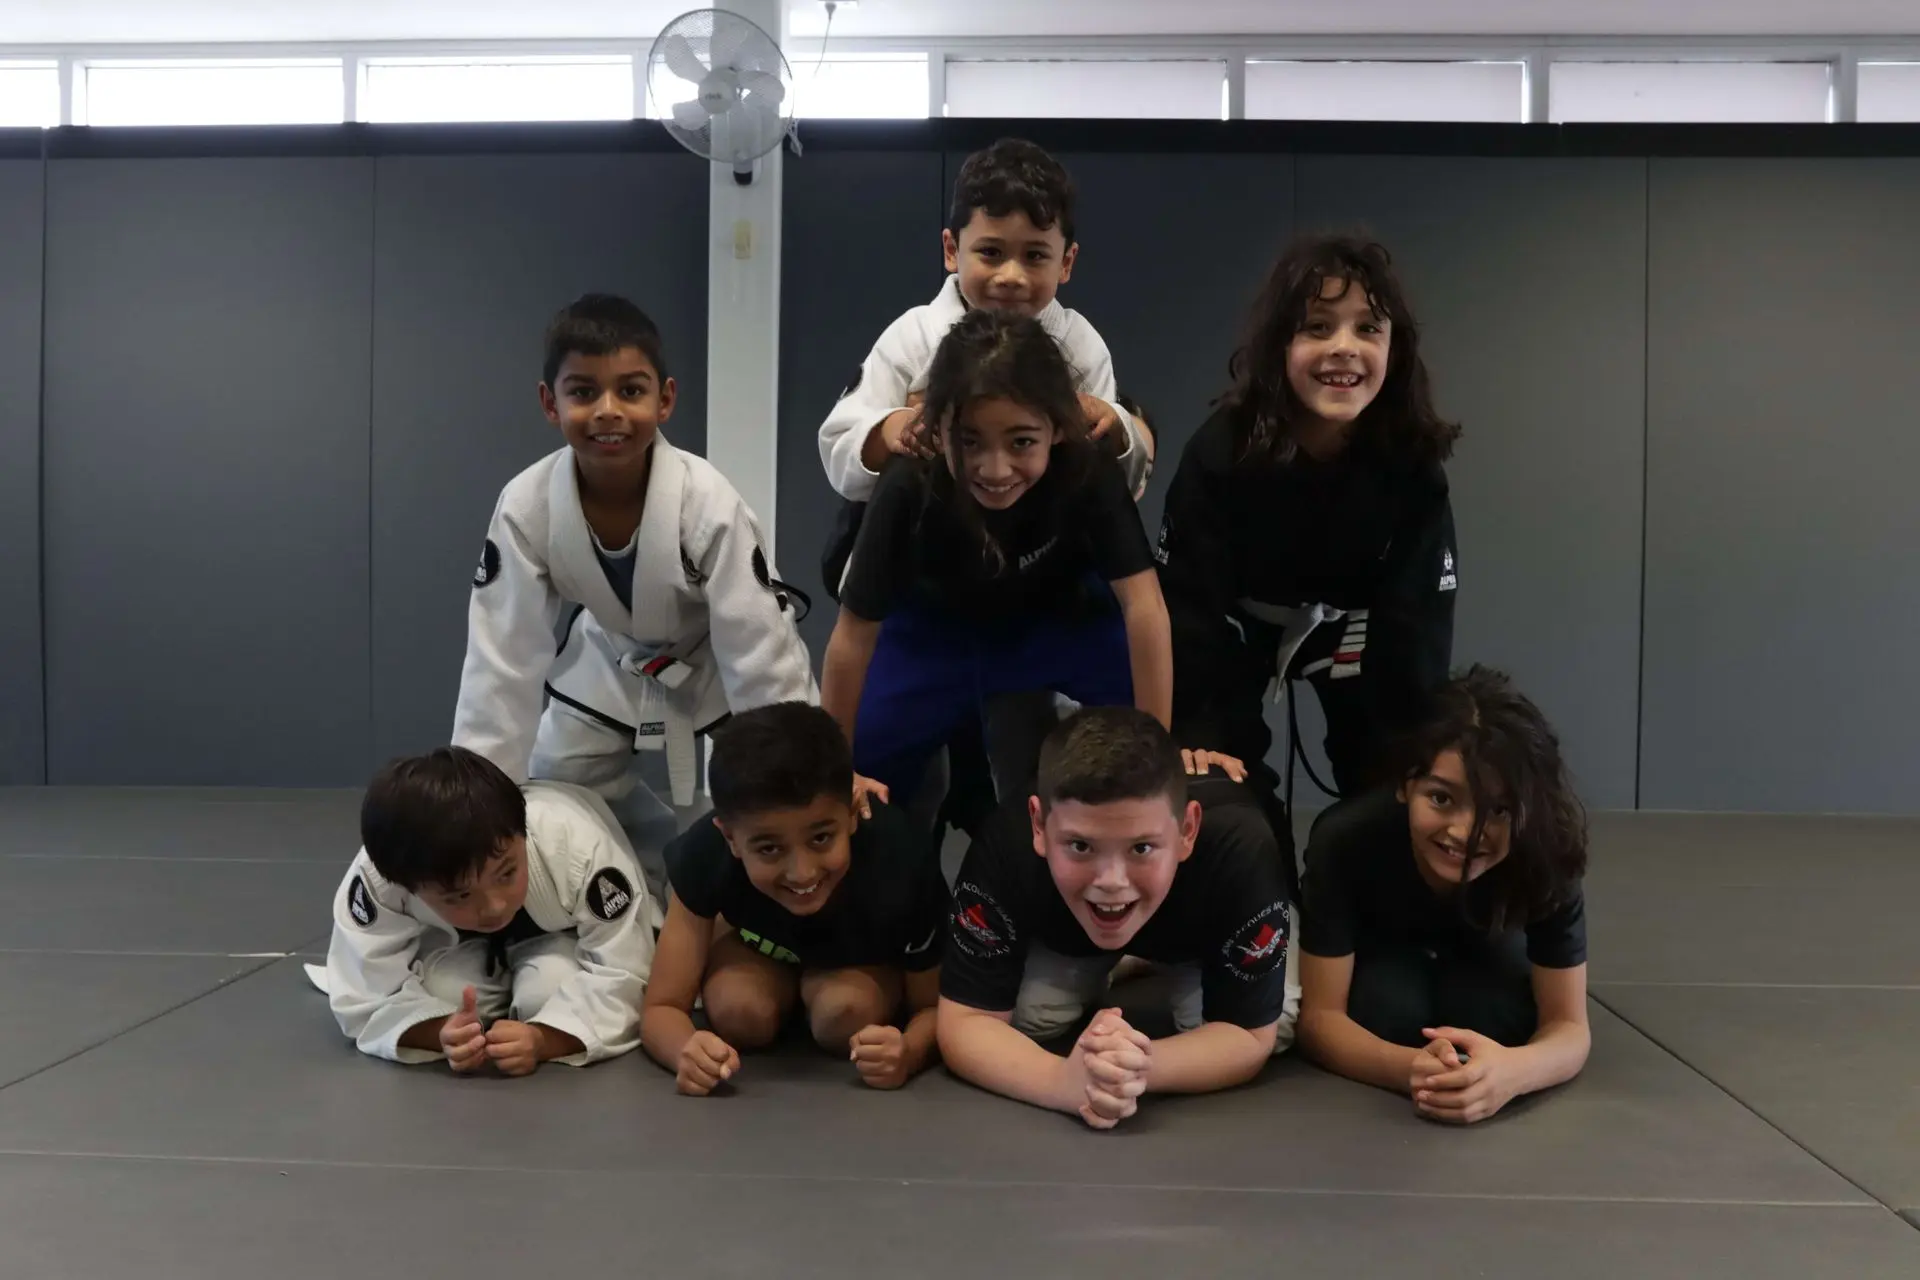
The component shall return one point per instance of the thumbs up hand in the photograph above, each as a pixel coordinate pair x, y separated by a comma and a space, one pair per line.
462, 1038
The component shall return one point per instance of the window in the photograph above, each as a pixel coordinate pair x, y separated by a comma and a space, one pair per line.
29, 95
420, 90
1494, 91
1781, 92
1129, 90
886, 87
1889, 91
289, 91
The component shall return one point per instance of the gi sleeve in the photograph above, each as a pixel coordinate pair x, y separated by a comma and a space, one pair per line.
986, 953
511, 621
600, 1004
1410, 623
1329, 905
761, 656
1115, 537
374, 991
1243, 972
879, 387
1560, 940
1197, 558
1092, 365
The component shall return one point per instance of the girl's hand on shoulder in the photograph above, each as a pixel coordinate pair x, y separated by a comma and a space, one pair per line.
1475, 1076
1198, 762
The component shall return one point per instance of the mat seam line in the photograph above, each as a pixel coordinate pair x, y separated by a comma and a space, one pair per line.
173, 1008
1745, 1106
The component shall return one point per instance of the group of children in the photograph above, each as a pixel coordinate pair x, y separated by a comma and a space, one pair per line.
1012, 658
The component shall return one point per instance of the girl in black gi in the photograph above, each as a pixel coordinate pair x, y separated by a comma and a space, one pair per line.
1443, 930
1307, 532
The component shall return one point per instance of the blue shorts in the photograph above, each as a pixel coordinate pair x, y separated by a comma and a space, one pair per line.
931, 671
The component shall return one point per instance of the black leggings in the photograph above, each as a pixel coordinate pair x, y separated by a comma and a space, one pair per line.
1488, 988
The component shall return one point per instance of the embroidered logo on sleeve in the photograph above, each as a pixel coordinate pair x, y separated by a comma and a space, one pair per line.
609, 894
489, 566
360, 903
1447, 580
980, 928
1259, 946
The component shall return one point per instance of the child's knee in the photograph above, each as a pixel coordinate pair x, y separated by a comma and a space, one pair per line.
744, 1018
839, 1009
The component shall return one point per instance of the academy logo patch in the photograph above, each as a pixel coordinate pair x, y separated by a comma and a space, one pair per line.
489, 566
609, 895
1259, 946
980, 928
360, 903
1447, 579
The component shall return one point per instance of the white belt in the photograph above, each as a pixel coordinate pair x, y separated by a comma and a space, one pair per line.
620, 680
1296, 623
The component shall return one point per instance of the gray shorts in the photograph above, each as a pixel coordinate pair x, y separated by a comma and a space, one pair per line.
1056, 991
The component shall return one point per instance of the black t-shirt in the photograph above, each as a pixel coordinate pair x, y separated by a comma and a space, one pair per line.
914, 547
888, 909
1226, 910
1362, 892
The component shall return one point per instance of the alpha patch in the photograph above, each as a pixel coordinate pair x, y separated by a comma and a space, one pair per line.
1447, 579
980, 928
360, 904
1259, 946
489, 567
853, 383
609, 894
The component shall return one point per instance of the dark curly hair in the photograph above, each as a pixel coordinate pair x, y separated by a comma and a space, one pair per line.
999, 355
1512, 762
1013, 174
1400, 422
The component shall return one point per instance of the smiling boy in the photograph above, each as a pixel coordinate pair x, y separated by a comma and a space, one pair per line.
1113, 856
680, 616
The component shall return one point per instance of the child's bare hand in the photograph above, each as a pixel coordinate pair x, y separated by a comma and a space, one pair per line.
879, 1054
1112, 1061
1101, 416
1198, 762
513, 1047
461, 1037
705, 1061
905, 433
865, 792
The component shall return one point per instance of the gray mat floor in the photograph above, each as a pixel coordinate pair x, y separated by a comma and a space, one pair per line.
176, 1102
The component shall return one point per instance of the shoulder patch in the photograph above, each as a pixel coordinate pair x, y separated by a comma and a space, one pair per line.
980, 928
609, 894
853, 383
360, 904
489, 566
1447, 579
1259, 946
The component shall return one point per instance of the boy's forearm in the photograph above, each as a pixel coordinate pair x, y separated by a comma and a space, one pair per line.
664, 1032
1214, 1055
424, 1036
873, 446
993, 1055
1342, 1045
920, 1041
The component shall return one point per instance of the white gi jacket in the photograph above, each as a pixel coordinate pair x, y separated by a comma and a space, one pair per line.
582, 878
897, 367
711, 629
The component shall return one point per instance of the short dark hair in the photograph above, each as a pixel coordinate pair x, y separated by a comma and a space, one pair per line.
1099, 755
1400, 422
437, 818
1512, 759
1013, 174
784, 755
599, 324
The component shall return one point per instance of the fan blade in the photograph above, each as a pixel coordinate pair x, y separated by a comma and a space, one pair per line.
690, 115
682, 60
728, 37
764, 86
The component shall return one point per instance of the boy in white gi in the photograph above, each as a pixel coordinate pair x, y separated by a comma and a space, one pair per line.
486, 924
679, 615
